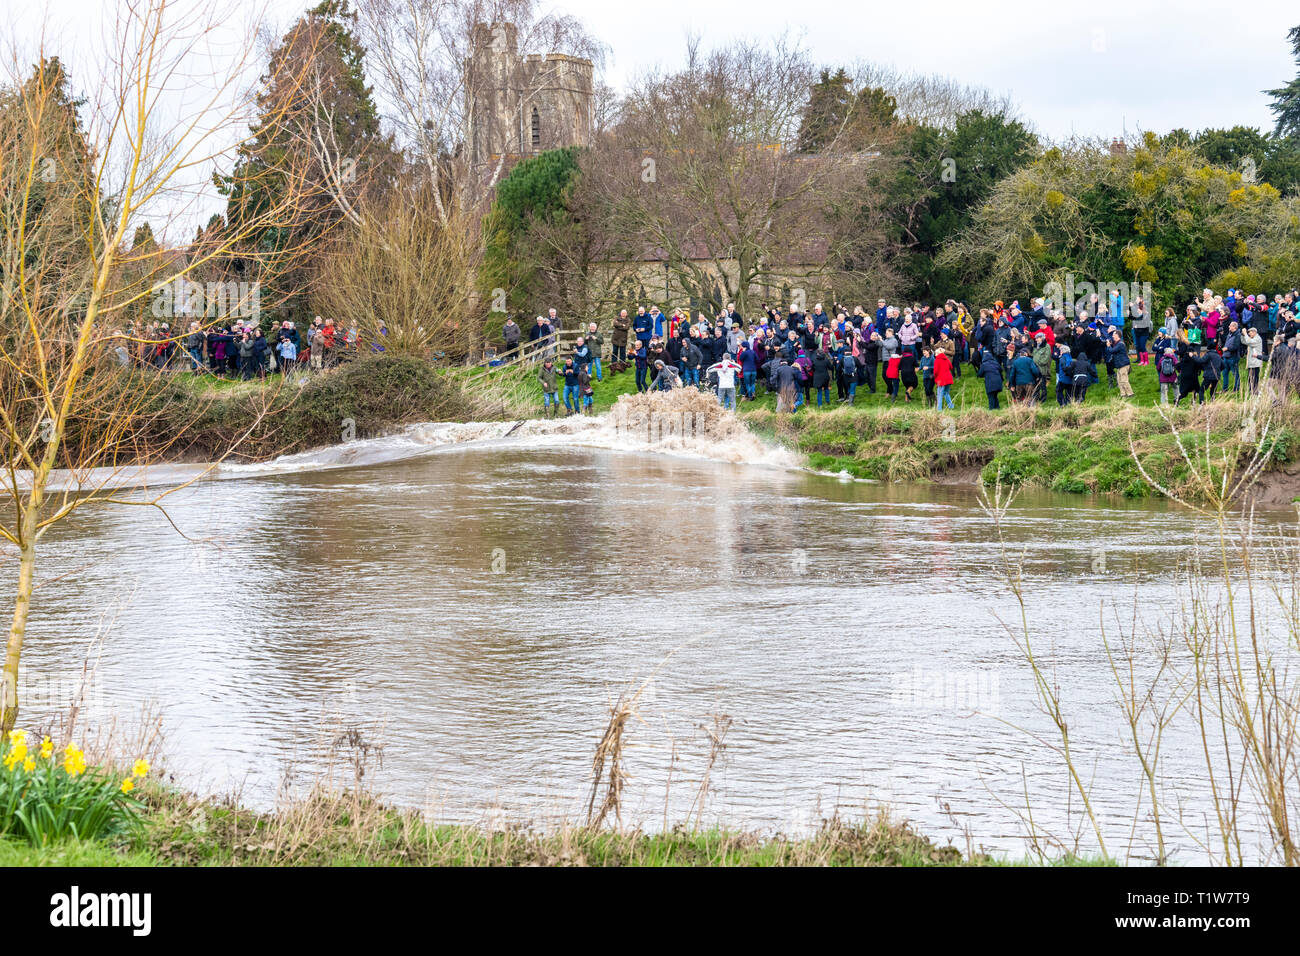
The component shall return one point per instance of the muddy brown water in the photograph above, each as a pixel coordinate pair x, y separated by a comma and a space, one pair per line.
476, 609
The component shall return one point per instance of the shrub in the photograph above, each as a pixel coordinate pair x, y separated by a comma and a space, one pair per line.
185, 417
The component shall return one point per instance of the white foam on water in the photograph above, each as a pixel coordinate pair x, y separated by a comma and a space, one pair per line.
724, 439
615, 432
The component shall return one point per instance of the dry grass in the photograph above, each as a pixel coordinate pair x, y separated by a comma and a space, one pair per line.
1222, 668
338, 829
607, 764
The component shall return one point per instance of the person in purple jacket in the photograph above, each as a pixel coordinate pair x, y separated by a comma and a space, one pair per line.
804, 366
1167, 373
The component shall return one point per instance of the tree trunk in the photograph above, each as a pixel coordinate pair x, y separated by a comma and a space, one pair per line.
18, 628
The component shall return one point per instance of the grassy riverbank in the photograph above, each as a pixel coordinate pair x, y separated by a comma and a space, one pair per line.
178, 830
1083, 448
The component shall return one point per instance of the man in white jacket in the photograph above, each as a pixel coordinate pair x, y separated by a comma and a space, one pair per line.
727, 370
1254, 346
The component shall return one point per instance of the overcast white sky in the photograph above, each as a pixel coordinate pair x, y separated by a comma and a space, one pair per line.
1090, 67
1095, 68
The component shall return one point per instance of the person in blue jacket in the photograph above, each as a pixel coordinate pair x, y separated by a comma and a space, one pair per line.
1064, 377
1016, 319
571, 397
581, 353
748, 361
1022, 376
641, 356
642, 326
991, 371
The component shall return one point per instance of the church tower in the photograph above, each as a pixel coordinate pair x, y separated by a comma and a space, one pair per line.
519, 106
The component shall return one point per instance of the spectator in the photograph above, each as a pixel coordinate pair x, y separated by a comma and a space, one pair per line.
550, 392
595, 342
618, 337
511, 334
991, 371
726, 371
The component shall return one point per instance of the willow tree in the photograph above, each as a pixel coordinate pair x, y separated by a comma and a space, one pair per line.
79, 180
402, 275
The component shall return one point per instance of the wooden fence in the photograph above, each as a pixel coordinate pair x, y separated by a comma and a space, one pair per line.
556, 345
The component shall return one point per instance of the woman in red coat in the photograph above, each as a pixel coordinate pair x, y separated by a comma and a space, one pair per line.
891, 377
942, 378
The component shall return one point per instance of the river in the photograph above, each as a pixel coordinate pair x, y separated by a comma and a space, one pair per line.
475, 606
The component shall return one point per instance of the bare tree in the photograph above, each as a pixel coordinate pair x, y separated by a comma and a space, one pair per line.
421, 53
702, 171
931, 99
69, 206
402, 275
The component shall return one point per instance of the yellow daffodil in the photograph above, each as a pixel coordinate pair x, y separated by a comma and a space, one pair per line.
71, 749
29, 765
128, 785
75, 762
17, 753
47, 748
141, 767
18, 737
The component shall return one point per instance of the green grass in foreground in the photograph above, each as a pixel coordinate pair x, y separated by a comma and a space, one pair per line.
343, 830
70, 853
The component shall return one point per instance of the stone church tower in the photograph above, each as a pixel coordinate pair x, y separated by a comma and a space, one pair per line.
519, 106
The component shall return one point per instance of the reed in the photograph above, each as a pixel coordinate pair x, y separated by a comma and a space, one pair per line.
1223, 668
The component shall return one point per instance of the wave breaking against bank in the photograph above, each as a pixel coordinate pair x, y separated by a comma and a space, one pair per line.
685, 423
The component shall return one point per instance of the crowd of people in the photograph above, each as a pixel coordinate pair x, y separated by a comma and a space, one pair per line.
240, 349
917, 353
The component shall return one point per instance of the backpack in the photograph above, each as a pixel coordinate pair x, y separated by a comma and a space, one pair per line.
1167, 367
